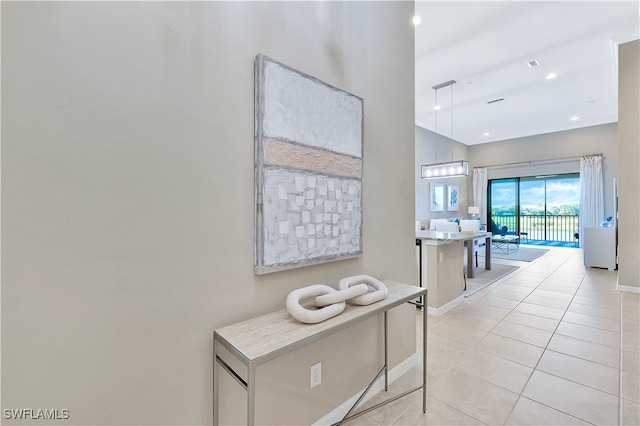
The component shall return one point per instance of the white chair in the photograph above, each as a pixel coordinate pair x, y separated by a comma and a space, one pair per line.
470, 225
433, 222
447, 227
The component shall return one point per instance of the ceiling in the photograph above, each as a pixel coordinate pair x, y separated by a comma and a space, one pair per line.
486, 47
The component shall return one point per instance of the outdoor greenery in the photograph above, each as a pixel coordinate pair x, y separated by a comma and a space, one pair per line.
565, 209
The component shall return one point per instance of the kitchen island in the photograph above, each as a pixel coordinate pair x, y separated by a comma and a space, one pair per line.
442, 265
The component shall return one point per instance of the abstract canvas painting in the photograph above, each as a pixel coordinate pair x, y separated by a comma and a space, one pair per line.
436, 197
452, 198
308, 170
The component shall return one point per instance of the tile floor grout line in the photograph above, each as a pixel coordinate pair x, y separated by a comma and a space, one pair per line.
535, 368
522, 301
476, 302
589, 341
555, 409
547, 349
443, 402
577, 383
479, 378
510, 311
519, 394
620, 370
580, 358
454, 408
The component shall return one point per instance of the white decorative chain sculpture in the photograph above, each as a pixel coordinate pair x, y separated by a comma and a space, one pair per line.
331, 302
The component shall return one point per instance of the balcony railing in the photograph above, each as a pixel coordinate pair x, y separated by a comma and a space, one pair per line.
539, 227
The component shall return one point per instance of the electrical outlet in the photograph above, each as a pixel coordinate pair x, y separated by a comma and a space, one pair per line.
316, 374
441, 259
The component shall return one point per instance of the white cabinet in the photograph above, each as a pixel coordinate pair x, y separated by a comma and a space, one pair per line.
599, 246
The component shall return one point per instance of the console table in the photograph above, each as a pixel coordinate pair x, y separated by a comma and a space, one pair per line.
258, 340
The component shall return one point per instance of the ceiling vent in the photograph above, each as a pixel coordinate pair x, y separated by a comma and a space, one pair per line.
495, 100
533, 64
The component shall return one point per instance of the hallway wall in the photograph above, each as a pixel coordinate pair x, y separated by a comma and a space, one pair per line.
128, 198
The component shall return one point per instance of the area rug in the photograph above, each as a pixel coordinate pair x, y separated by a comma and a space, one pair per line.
523, 254
483, 278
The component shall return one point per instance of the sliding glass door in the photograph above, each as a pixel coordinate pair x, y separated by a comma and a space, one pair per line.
533, 208
562, 207
503, 211
543, 208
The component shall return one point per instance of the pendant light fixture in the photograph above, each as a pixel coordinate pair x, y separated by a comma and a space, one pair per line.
450, 168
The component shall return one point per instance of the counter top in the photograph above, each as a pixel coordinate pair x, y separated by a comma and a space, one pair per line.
432, 235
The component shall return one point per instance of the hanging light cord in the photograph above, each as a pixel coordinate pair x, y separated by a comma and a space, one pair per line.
452, 111
452, 119
436, 132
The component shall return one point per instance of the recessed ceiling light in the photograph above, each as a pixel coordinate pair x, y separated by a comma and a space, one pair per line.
437, 107
574, 118
486, 134
416, 20
551, 76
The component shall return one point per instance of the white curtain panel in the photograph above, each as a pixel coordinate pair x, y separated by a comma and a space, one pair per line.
591, 193
480, 183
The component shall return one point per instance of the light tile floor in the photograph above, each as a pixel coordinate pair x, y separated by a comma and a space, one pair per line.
554, 343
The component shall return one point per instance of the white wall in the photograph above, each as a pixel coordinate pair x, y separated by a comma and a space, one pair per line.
429, 150
629, 151
600, 139
128, 192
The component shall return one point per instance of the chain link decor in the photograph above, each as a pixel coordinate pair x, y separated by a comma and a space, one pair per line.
329, 302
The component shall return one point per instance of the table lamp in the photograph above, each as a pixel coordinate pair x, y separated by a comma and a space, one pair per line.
474, 211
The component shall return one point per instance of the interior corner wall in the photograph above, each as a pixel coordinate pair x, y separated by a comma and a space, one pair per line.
629, 167
601, 139
128, 192
431, 149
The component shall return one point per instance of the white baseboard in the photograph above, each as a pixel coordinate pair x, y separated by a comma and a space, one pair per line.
628, 288
337, 414
446, 307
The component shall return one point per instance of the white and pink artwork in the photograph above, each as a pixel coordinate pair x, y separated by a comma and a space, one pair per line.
308, 166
